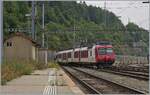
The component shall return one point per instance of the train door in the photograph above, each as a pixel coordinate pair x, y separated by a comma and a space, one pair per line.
72, 56
79, 55
90, 55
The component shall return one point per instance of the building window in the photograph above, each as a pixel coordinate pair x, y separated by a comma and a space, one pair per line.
9, 44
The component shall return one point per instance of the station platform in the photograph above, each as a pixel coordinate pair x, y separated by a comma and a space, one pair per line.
42, 82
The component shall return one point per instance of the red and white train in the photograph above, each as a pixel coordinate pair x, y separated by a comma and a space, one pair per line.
98, 55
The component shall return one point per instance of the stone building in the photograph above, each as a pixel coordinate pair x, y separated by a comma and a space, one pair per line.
18, 46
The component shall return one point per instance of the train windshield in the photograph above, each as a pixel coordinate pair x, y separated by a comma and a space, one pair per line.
109, 50
102, 51
105, 51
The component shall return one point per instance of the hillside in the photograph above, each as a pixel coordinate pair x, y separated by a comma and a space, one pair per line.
91, 24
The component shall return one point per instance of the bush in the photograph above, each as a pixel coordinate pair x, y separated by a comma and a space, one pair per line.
53, 65
40, 66
14, 69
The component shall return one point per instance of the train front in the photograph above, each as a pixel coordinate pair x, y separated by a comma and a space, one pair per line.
105, 55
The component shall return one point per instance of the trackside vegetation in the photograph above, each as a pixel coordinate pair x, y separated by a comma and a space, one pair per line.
14, 69
53, 64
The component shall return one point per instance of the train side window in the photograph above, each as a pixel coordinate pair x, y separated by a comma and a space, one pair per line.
86, 53
69, 55
76, 54
82, 54
64, 55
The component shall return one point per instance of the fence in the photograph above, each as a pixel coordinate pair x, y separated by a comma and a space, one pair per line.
123, 60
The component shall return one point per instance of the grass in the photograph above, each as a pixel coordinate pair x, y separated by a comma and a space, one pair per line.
14, 69
53, 65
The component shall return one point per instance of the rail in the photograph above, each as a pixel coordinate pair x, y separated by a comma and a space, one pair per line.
120, 87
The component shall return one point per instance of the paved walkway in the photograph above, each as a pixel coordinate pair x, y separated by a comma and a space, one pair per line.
42, 82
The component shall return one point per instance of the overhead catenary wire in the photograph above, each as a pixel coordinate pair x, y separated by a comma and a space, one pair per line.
126, 8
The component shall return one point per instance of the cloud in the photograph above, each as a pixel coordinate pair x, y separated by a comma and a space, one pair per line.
133, 11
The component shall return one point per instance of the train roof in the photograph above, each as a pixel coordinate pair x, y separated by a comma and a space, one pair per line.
92, 45
108, 46
76, 49
64, 51
103, 43
84, 48
99, 43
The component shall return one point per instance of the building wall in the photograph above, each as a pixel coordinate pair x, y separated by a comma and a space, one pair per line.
21, 49
36, 54
33, 51
45, 55
51, 55
42, 56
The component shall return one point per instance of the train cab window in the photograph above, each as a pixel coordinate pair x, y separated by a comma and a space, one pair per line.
102, 51
105, 51
109, 50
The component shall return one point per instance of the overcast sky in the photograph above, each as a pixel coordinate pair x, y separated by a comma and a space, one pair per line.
133, 11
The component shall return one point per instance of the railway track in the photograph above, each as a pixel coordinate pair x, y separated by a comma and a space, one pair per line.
131, 68
125, 72
133, 74
89, 88
97, 85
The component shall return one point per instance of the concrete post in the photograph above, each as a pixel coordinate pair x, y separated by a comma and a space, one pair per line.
43, 25
1, 34
1, 30
33, 19
45, 52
